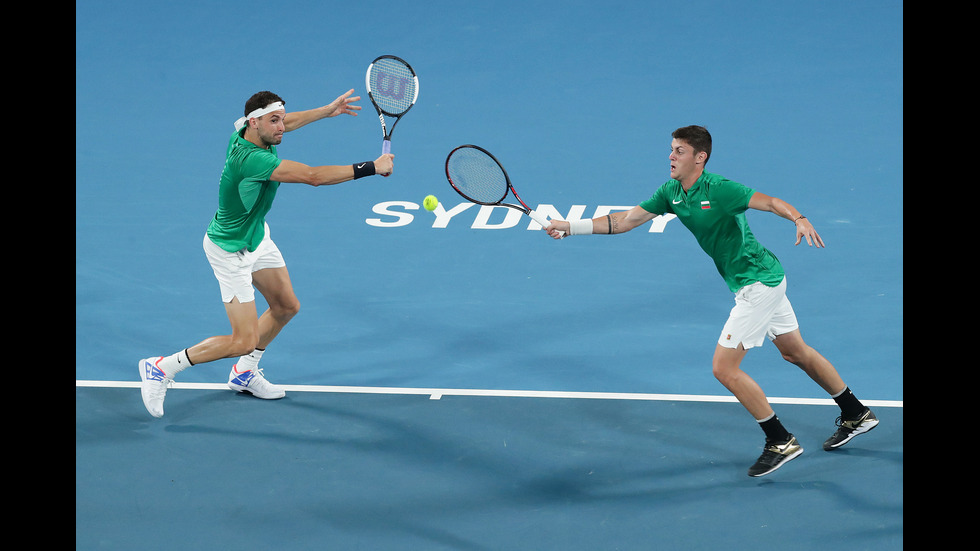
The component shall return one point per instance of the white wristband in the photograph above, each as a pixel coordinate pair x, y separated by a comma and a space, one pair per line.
580, 227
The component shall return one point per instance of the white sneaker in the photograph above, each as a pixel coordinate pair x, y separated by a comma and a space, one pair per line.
154, 385
253, 382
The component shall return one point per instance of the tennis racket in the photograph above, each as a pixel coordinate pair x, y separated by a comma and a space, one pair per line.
393, 88
480, 178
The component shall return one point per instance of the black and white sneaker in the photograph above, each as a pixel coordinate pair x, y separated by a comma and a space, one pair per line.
849, 428
775, 455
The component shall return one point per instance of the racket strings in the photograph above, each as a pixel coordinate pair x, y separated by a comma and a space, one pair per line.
392, 86
477, 176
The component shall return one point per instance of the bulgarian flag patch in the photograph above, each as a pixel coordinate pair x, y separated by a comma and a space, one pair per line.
705, 205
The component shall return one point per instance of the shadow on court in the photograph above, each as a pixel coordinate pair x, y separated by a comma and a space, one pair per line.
366, 471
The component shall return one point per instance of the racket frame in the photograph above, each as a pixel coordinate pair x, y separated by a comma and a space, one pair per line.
385, 131
542, 221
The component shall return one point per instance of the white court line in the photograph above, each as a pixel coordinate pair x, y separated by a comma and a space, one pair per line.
437, 393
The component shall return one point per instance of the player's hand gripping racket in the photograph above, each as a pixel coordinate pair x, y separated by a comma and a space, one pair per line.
479, 177
393, 88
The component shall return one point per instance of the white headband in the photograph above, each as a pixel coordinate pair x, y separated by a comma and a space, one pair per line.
276, 106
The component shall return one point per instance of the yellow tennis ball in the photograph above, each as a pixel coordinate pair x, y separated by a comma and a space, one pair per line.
430, 202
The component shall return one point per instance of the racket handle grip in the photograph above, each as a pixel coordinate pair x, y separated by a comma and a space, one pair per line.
542, 220
385, 149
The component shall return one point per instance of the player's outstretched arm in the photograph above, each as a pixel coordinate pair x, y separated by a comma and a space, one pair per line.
292, 172
804, 229
343, 105
617, 222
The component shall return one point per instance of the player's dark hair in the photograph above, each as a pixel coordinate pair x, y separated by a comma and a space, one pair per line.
260, 100
697, 137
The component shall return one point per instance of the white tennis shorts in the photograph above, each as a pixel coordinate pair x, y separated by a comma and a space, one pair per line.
760, 311
234, 270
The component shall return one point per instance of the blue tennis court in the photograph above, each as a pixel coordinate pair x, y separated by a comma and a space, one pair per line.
455, 379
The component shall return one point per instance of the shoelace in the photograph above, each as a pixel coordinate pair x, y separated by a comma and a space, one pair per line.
770, 457
849, 424
160, 390
258, 377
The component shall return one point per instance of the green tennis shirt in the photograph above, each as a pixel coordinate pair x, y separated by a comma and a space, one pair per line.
245, 195
714, 210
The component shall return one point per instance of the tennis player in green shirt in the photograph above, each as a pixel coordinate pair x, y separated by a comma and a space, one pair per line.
713, 209
239, 246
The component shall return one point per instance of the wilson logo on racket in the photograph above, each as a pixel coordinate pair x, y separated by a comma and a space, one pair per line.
391, 86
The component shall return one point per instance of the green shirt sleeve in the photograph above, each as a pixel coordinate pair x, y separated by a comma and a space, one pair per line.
731, 196
658, 203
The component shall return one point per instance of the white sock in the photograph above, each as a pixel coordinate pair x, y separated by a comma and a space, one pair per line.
249, 361
175, 363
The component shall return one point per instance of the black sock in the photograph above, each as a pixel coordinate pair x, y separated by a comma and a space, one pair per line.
774, 429
850, 406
